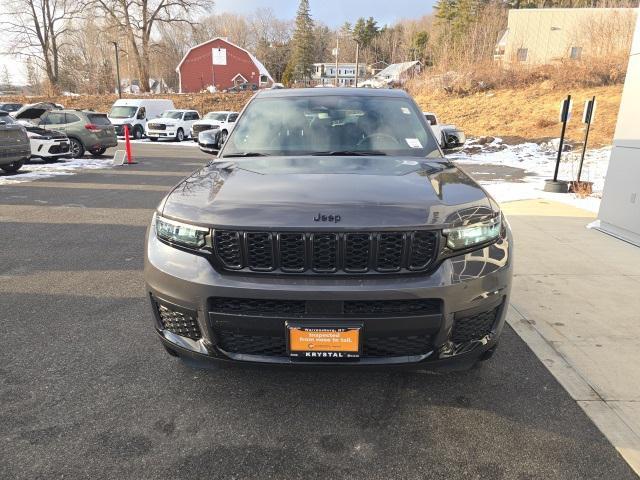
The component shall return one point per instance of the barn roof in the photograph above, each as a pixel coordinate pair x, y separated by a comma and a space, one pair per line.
261, 68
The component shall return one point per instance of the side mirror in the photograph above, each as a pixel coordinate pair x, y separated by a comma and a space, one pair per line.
210, 141
453, 139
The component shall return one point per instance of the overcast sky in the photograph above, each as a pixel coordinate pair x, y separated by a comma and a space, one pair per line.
331, 12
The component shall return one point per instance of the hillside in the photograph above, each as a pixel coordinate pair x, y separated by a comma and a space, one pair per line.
529, 113
515, 115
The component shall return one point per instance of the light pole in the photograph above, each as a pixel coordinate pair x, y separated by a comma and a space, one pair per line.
357, 61
115, 44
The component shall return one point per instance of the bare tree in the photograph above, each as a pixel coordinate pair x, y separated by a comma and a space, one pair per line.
36, 29
137, 20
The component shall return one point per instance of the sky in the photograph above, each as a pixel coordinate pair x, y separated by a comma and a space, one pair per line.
330, 12
335, 12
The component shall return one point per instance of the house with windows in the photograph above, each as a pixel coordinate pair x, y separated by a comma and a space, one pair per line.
325, 73
219, 64
547, 35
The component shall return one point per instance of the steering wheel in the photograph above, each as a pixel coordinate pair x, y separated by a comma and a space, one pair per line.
385, 136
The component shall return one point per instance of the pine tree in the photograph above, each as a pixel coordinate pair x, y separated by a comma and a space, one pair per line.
302, 43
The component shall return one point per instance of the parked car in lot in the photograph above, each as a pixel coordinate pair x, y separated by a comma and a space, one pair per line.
223, 121
14, 145
33, 111
175, 124
10, 107
49, 145
447, 135
243, 87
135, 113
88, 131
329, 230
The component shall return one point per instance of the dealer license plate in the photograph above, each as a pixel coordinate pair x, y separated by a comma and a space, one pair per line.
312, 342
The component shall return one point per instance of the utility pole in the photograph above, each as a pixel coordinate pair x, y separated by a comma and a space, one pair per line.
115, 44
357, 60
337, 53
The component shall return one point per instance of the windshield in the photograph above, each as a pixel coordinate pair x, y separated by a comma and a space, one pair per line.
120, 111
218, 117
171, 114
331, 125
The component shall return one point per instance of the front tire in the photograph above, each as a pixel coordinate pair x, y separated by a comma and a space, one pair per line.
77, 149
13, 167
137, 133
179, 135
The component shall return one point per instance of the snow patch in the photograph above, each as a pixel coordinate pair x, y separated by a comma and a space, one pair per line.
538, 161
36, 171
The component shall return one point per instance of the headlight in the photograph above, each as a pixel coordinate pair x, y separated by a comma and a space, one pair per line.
179, 233
475, 234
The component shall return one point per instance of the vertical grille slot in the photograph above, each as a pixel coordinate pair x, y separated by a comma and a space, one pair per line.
292, 250
357, 252
325, 252
423, 249
389, 252
260, 251
227, 247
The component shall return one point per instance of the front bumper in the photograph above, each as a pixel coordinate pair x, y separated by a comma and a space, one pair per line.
464, 287
50, 148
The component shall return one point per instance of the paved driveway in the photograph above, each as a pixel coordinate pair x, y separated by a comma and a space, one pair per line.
86, 390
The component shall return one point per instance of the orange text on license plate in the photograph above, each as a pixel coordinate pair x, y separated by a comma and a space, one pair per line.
324, 339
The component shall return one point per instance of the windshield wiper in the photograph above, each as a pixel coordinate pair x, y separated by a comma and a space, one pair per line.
245, 154
349, 153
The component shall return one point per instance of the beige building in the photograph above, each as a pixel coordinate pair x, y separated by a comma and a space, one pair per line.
548, 35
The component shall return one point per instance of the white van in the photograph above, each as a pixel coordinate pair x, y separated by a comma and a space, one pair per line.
135, 113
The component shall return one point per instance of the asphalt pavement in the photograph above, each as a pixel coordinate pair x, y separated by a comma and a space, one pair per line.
87, 391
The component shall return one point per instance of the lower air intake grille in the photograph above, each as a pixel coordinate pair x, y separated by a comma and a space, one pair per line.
275, 346
392, 307
474, 327
258, 307
180, 323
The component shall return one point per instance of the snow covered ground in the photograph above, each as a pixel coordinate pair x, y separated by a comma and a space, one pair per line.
538, 160
36, 170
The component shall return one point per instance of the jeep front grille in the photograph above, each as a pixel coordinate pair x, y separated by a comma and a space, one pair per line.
326, 252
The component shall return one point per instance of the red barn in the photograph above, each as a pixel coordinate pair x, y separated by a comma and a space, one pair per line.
222, 64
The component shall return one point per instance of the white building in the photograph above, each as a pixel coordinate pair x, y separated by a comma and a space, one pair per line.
620, 207
325, 73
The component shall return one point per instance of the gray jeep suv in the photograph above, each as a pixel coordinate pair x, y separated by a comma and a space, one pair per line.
331, 230
15, 148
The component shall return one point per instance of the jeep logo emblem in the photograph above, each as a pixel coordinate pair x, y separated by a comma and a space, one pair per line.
326, 218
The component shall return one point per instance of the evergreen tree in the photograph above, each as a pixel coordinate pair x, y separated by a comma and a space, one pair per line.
365, 31
302, 44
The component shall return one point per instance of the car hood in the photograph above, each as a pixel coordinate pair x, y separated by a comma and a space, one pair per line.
34, 111
295, 192
34, 131
165, 121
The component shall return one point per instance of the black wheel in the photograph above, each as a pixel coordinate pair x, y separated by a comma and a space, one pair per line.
13, 167
153, 139
77, 149
97, 152
137, 132
179, 135
223, 137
